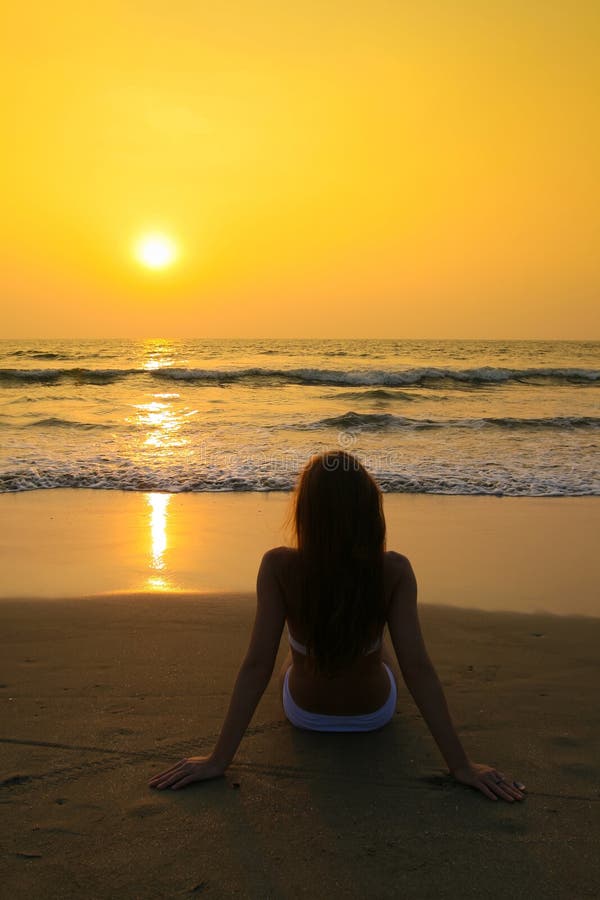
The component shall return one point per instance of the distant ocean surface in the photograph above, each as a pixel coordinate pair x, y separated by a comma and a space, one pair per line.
442, 417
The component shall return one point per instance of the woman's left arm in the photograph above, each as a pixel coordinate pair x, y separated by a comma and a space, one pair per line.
252, 679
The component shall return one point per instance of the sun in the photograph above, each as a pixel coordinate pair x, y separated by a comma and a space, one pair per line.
156, 251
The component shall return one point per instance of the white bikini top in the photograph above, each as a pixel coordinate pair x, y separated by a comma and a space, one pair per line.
300, 648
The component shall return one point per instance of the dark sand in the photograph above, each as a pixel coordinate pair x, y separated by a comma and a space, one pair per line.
99, 693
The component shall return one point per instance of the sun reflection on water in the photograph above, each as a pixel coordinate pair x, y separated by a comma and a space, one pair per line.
162, 423
158, 354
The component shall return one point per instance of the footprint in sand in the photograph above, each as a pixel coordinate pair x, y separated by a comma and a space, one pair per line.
143, 810
11, 780
57, 830
438, 781
81, 815
116, 732
565, 740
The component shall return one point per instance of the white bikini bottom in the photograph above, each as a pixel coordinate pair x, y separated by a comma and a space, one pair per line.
319, 722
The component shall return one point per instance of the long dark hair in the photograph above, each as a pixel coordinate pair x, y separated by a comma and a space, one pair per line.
340, 534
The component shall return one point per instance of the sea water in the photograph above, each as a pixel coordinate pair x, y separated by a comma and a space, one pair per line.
518, 418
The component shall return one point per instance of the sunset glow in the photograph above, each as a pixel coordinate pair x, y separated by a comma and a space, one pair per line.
333, 170
300, 339
156, 251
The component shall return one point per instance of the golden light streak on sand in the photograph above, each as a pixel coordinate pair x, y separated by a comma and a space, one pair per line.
159, 504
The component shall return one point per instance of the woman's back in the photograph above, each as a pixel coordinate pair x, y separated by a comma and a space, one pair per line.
355, 689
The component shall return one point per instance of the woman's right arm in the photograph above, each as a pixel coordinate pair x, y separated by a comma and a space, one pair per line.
253, 677
424, 685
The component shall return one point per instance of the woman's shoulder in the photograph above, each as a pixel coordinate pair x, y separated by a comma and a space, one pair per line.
281, 563
396, 565
279, 557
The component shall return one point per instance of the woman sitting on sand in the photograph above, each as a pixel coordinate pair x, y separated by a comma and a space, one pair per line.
337, 591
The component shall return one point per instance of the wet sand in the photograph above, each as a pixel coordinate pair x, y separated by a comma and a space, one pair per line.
99, 693
523, 554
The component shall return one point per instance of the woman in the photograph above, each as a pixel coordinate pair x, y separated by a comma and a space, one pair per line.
337, 590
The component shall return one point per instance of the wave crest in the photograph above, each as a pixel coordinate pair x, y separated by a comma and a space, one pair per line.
353, 421
378, 378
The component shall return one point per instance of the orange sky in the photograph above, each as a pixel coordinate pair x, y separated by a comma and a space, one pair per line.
326, 169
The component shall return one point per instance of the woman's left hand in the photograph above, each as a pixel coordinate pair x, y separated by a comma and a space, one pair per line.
186, 771
489, 781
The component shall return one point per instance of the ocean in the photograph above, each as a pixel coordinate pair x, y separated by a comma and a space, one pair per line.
505, 418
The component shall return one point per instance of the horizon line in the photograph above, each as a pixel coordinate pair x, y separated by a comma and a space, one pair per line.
587, 340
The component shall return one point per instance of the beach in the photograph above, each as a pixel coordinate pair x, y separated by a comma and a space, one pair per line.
346, 252
105, 692
102, 689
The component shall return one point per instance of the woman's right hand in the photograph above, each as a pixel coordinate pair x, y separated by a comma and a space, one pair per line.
186, 771
490, 782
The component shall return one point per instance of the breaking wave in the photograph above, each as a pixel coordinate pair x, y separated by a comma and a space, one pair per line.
470, 480
379, 378
386, 421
